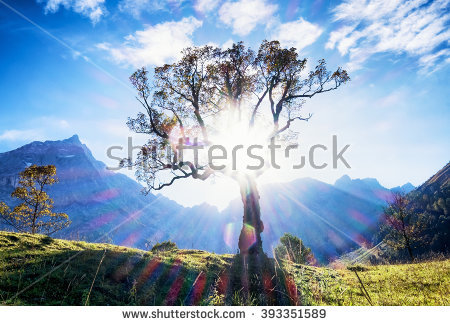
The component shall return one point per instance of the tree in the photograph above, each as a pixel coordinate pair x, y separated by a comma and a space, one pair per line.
400, 225
164, 246
293, 249
34, 214
213, 96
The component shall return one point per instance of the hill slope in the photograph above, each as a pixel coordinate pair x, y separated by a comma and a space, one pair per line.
432, 200
38, 270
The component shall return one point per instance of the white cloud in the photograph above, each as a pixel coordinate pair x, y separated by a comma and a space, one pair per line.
415, 27
393, 99
44, 125
205, 6
244, 15
94, 9
434, 61
53, 123
298, 34
154, 45
136, 7
20, 135
228, 44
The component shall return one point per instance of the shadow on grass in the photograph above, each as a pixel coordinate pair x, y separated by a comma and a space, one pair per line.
123, 278
258, 280
55, 277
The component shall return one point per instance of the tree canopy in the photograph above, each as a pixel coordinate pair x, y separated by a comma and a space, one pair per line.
401, 227
211, 89
35, 212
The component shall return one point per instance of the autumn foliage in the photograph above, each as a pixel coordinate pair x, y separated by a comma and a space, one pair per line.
35, 213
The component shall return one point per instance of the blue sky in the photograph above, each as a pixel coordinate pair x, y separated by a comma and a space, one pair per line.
66, 63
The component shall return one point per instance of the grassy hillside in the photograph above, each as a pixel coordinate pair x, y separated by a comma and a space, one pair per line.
422, 284
38, 270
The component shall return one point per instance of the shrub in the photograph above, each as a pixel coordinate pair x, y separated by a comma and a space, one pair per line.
292, 248
164, 246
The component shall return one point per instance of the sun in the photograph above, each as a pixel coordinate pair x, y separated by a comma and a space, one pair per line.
245, 147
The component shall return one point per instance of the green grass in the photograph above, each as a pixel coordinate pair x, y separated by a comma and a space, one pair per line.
125, 277
38, 270
418, 284
424, 284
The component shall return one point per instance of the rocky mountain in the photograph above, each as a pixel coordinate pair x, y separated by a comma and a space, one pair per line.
406, 188
367, 189
440, 181
107, 206
96, 199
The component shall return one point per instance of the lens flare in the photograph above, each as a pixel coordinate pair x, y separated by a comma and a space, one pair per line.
248, 237
229, 234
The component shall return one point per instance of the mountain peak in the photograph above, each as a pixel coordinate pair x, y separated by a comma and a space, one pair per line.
406, 188
73, 140
345, 179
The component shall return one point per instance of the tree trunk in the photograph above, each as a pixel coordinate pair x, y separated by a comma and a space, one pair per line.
408, 246
406, 238
250, 237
